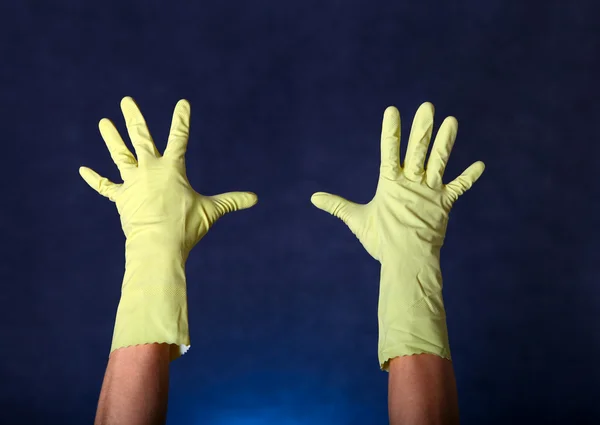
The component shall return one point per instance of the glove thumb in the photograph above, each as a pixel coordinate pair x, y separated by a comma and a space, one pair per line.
100, 184
464, 182
233, 201
337, 206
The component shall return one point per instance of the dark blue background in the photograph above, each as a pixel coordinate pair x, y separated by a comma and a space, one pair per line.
287, 99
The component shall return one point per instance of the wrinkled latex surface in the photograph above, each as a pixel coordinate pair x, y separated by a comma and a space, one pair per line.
162, 218
403, 227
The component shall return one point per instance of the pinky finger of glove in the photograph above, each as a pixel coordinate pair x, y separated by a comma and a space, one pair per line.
100, 184
233, 201
464, 182
335, 205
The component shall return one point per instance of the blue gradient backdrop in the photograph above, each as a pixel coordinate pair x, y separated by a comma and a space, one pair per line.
287, 99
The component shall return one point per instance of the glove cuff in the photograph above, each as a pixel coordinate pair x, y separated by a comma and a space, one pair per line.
153, 305
412, 318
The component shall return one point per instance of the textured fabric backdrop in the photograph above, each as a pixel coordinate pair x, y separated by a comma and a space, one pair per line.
287, 99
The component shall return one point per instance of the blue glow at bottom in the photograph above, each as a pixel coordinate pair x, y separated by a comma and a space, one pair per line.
273, 398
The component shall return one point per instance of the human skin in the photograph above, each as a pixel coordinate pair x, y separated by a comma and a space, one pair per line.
136, 386
422, 391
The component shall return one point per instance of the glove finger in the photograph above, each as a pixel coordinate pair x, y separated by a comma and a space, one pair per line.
138, 131
337, 206
180, 131
444, 141
233, 201
390, 144
100, 184
464, 182
119, 152
418, 142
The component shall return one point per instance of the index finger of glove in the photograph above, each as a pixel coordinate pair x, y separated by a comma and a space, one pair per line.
119, 152
390, 144
438, 159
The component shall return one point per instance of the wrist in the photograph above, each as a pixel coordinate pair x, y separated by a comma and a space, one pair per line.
153, 305
151, 266
412, 318
409, 277
155, 243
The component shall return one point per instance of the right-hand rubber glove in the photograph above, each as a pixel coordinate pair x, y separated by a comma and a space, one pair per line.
163, 218
403, 227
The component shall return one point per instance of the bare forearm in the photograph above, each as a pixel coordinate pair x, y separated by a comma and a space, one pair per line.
422, 391
135, 387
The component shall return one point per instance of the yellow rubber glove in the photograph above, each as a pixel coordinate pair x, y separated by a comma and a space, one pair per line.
163, 218
403, 227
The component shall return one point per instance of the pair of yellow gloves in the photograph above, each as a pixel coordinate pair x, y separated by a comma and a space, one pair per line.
163, 218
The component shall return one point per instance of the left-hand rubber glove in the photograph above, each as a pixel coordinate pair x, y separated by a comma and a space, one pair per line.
403, 227
163, 218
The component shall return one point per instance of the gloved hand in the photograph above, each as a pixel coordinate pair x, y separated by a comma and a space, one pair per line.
163, 218
403, 227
